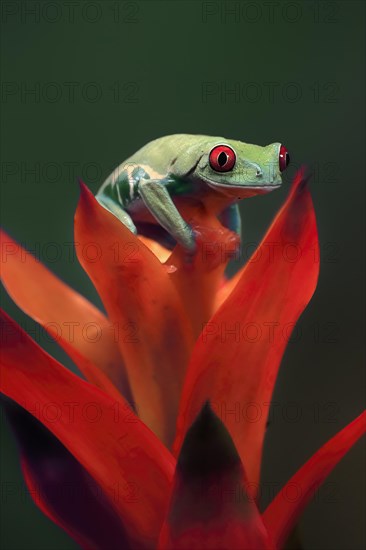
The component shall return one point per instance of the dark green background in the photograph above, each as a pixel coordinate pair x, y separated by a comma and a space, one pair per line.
162, 54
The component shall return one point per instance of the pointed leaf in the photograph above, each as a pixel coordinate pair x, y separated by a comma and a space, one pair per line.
79, 327
210, 507
283, 513
61, 487
236, 359
125, 458
155, 338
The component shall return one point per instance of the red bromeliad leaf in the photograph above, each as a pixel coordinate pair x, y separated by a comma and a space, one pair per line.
236, 359
282, 514
226, 287
154, 334
124, 457
78, 326
159, 250
197, 278
210, 507
60, 486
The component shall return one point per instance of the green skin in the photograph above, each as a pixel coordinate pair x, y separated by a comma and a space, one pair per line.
145, 191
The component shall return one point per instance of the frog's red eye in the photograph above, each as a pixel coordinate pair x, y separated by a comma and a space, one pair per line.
222, 158
284, 158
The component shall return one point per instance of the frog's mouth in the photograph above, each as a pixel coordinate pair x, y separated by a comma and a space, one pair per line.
243, 191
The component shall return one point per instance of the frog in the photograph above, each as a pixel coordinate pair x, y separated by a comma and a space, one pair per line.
144, 192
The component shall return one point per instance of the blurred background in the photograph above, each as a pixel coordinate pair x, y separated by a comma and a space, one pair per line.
85, 84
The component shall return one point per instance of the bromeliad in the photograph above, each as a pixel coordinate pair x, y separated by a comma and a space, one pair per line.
140, 439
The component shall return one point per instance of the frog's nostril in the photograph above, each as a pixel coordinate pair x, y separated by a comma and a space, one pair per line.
258, 173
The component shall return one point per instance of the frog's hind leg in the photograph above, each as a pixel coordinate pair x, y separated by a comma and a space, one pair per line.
117, 211
158, 201
230, 218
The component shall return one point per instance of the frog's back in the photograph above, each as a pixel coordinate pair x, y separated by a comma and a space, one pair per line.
155, 160
161, 153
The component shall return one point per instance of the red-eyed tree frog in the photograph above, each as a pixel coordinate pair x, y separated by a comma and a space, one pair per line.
145, 191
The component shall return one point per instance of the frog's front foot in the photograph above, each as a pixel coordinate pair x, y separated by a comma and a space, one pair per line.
160, 204
188, 239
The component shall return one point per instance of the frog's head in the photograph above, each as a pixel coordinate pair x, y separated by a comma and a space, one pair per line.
240, 169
